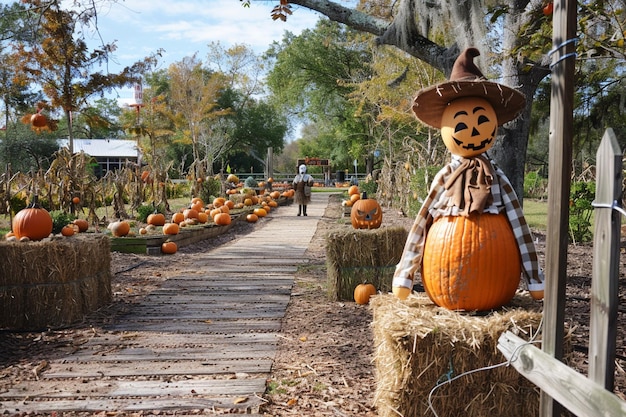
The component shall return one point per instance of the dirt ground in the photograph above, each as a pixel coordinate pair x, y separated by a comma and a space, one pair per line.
324, 366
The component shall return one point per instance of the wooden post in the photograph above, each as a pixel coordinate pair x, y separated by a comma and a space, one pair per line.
604, 285
561, 133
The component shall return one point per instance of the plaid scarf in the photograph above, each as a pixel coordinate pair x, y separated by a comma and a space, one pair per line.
446, 198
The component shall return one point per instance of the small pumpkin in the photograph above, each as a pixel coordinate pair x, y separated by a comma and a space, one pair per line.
33, 222
363, 292
178, 218
471, 263
76, 200
119, 228
252, 218
171, 229
157, 219
190, 213
366, 213
82, 225
354, 189
261, 212
67, 230
222, 219
169, 247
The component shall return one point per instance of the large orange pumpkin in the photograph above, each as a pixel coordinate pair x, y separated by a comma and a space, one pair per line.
366, 213
471, 263
33, 222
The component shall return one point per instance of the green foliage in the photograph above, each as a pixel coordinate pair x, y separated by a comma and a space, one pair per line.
535, 186
17, 203
582, 195
369, 187
420, 184
178, 190
60, 219
144, 210
210, 189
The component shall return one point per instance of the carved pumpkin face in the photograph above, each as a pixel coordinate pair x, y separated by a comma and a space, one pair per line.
468, 126
366, 213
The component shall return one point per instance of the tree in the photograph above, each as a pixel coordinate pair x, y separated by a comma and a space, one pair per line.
513, 35
194, 97
59, 60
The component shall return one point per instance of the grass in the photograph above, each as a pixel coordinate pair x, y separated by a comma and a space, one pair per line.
536, 214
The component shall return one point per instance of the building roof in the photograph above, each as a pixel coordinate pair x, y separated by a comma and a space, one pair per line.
111, 148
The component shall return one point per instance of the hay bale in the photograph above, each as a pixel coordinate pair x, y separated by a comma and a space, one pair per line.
420, 345
53, 282
357, 255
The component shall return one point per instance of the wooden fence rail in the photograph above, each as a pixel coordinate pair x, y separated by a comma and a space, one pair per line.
587, 396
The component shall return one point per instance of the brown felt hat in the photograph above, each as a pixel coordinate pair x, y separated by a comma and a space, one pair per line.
466, 80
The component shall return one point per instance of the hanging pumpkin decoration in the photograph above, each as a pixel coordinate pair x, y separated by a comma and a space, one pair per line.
38, 120
363, 292
462, 242
33, 222
366, 213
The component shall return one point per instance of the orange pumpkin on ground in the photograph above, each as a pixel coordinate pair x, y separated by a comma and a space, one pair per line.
471, 263
363, 292
252, 218
169, 248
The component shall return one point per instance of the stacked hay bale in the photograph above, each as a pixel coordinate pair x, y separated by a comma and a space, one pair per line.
420, 347
355, 256
54, 282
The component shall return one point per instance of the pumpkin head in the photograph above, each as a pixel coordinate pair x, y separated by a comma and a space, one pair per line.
366, 213
33, 222
469, 126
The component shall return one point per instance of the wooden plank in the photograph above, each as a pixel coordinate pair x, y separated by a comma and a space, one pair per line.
169, 339
104, 354
157, 368
115, 404
207, 327
580, 395
559, 167
135, 388
606, 257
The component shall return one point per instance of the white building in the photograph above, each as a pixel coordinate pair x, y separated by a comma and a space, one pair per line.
110, 154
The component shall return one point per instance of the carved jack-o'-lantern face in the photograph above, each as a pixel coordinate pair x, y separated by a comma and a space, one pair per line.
468, 126
366, 213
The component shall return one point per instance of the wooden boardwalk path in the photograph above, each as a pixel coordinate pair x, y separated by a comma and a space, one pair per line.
204, 342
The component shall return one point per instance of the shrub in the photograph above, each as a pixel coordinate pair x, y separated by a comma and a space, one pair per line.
60, 219
210, 189
582, 195
535, 186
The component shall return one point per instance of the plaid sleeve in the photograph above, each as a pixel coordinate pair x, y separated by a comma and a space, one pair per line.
411, 259
532, 274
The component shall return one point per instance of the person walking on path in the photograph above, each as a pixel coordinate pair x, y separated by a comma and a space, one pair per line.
302, 183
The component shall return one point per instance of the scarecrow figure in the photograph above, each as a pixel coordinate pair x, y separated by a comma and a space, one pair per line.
469, 241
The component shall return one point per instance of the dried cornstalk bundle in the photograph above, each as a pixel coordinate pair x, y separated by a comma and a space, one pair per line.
419, 345
358, 255
53, 282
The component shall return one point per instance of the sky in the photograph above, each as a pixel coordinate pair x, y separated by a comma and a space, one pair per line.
184, 27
